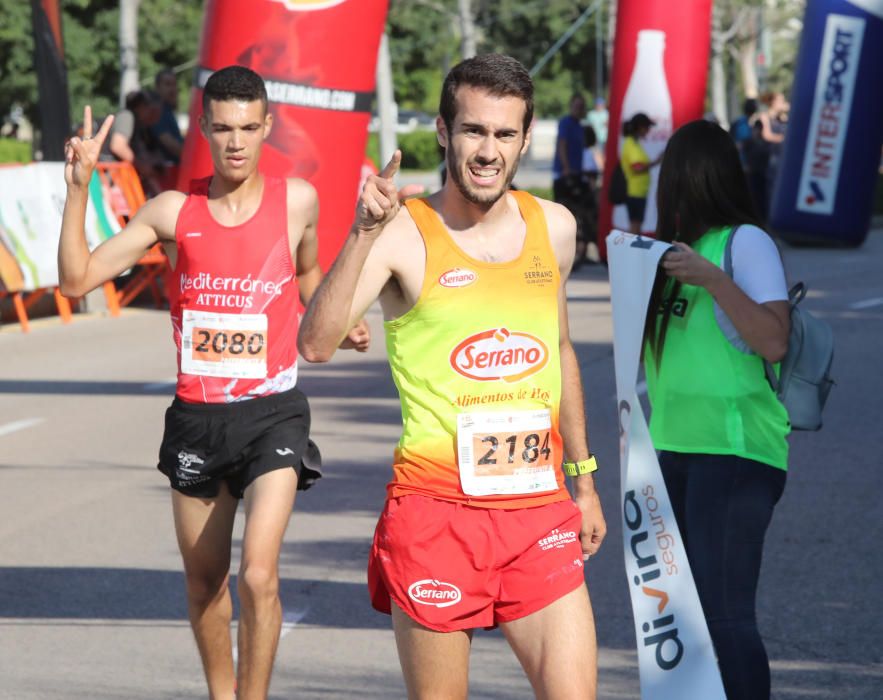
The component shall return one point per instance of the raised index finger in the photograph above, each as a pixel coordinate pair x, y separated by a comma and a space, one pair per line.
392, 167
87, 122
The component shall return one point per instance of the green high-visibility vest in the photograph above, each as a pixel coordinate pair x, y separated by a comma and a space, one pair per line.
707, 396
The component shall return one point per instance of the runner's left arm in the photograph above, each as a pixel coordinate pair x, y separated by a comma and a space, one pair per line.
303, 218
362, 267
303, 212
572, 417
79, 269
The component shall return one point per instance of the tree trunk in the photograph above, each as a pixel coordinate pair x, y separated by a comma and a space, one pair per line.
748, 53
718, 76
128, 48
467, 29
386, 106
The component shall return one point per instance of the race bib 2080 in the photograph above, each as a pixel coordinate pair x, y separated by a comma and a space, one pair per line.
224, 345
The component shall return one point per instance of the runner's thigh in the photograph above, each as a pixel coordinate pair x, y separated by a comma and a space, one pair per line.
556, 647
435, 664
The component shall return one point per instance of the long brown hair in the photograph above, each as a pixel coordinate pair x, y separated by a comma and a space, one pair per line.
701, 186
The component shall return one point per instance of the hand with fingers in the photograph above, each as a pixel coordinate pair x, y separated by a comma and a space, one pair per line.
381, 199
594, 527
81, 154
688, 267
358, 339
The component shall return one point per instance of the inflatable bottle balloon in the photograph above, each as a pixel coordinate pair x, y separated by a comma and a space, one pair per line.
659, 67
648, 92
318, 59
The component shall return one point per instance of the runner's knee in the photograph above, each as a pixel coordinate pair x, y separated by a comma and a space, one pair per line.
257, 581
203, 587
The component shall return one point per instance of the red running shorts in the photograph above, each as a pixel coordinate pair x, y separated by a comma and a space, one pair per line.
451, 566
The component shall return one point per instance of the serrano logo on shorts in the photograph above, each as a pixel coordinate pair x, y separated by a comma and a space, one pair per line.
499, 354
430, 591
458, 277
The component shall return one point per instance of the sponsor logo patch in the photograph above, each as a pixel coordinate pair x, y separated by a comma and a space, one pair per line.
458, 277
188, 459
431, 591
540, 272
557, 539
499, 354
835, 88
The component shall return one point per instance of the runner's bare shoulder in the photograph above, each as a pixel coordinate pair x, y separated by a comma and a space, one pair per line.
559, 220
562, 232
161, 213
301, 196
401, 244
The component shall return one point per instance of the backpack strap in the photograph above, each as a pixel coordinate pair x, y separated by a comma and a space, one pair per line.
728, 252
768, 369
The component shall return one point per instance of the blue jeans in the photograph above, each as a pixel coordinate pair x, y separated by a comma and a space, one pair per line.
723, 505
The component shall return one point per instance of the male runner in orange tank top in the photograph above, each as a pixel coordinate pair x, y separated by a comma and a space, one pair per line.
478, 529
240, 247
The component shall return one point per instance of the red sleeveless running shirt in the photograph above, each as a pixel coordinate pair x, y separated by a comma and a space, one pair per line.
234, 300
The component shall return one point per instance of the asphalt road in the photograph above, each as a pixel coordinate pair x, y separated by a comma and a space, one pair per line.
91, 590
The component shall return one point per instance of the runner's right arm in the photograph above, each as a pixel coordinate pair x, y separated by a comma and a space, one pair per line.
360, 270
79, 270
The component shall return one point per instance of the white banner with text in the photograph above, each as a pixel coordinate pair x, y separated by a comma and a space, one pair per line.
31, 203
675, 655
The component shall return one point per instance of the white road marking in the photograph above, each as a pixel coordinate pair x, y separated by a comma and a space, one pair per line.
19, 425
290, 618
867, 303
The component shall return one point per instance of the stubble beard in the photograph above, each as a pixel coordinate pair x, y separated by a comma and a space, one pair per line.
473, 196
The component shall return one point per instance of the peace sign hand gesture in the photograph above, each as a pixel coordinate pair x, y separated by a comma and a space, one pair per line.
81, 154
381, 199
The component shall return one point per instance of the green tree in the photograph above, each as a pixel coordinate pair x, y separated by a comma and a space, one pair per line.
168, 36
18, 82
425, 43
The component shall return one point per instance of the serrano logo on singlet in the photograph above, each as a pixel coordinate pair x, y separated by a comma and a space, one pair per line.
237, 292
430, 591
499, 354
458, 277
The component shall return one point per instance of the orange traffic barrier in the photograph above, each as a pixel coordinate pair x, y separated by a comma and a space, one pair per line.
12, 282
126, 197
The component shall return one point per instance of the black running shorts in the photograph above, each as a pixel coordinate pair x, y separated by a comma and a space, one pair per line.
205, 444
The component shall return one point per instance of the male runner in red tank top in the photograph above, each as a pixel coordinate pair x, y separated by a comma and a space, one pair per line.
478, 529
240, 246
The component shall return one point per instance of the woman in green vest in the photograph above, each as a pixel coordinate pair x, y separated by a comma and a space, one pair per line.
719, 428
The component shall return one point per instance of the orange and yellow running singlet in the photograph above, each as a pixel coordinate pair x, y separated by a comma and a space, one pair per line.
477, 367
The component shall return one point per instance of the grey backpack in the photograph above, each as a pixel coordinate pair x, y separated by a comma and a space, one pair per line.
804, 378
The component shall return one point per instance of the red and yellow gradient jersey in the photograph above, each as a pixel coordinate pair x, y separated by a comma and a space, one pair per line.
477, 367
233, 300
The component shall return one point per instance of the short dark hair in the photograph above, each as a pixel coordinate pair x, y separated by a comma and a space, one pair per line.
499, 75
234, 83
139, 98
